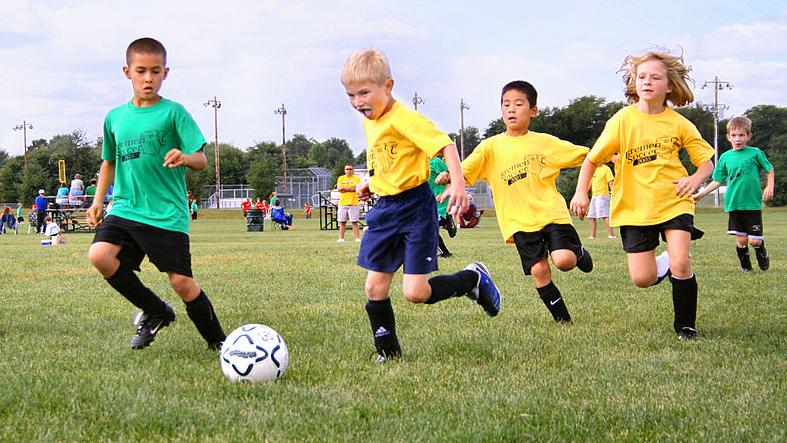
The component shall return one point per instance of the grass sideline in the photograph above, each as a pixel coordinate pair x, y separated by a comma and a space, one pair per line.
617, 373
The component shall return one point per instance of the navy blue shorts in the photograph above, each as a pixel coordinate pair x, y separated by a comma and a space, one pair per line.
402, 230
168, 250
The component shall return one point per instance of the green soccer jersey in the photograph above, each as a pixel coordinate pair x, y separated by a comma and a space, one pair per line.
741, 169
137, 139
436, 166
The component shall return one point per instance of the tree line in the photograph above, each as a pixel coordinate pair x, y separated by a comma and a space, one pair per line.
580, 122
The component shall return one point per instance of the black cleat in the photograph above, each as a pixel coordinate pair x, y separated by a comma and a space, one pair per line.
763, 261
746, 263
215, 346
687, 333
382, 358
450, 226
585, 261
149, 326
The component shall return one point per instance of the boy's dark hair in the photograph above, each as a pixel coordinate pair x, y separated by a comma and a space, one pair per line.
523, 87
146, 45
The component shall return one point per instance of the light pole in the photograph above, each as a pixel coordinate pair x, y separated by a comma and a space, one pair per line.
417, 101
216, 104
462, 107
24, 127
718, 85
283, 112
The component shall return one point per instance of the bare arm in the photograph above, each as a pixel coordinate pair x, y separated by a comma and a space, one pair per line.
176, 158
687, 185
458, 201
767, 193
706, 190
579, 203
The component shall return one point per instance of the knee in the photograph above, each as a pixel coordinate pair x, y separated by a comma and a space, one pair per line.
181, 284
642, 281
416, 295
375, 291
104, 262
564, 260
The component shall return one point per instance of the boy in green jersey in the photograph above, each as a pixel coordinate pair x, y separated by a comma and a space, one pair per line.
740, 167
148, 144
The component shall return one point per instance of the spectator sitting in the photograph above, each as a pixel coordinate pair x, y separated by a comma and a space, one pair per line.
278, 215
62, 195
53, 231
7, 220
77, 183
90, 192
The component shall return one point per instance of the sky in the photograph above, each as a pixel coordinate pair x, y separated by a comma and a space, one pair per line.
62, 60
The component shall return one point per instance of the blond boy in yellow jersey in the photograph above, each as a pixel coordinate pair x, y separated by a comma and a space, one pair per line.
599, 200
521, 167
402, 225
652, 193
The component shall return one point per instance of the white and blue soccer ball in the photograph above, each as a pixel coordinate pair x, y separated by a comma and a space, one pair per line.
254, 353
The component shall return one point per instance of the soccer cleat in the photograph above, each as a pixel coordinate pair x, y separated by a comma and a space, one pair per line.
746, 263
341, 240
445, 255
485, 292
687, 333
450, 226
585, 261
357, 240
381, 358
763, 261
611, 236
149, 326
215, 346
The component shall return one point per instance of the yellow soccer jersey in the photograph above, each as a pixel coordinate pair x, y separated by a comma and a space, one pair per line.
348, 198
522, 172
600, 181
643, 193
399, 146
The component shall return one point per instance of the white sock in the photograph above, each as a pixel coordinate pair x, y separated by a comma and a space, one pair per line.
662, 264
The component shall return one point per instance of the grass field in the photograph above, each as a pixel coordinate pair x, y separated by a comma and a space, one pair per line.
617, 373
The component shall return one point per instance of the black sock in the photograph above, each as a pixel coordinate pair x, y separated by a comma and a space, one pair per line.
201, 312
381, 318
452, 285
126, 282
550, 295
684, 301
743, 256
441, 247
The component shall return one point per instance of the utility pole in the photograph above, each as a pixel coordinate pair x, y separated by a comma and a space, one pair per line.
718, 85
283, 112
462, 107
417, 101
216, 104
24, 127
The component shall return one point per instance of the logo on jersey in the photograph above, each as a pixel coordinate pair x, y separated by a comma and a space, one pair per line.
530, 164
664, 147
147, 143
382, 156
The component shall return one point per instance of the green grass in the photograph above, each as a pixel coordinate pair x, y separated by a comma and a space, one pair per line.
618, 373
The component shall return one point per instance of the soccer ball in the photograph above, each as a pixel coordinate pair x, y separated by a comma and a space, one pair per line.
254, 353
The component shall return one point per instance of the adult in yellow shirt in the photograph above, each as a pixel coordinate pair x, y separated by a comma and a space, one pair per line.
599, 201
348, 202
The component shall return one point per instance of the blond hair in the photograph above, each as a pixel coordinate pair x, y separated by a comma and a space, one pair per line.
366, 65
741, 122
677, 76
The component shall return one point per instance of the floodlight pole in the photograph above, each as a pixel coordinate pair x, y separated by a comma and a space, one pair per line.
216, 104
417, 101
462, 107
718, 85
283, 112
24, 127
